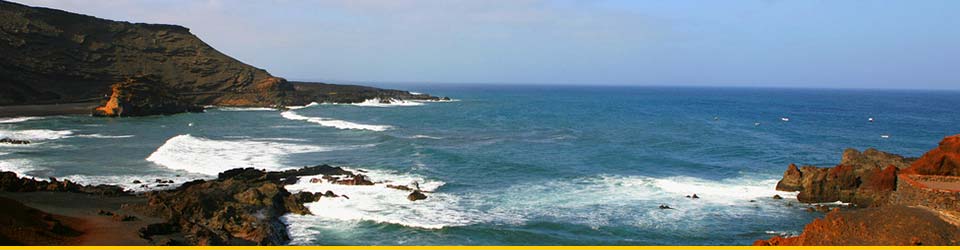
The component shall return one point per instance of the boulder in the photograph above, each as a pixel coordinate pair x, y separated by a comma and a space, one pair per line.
416, 195
352, 179
791, 179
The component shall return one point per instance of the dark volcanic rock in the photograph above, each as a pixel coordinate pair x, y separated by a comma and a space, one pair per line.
861, 178
141, 97
57, 56
10, 182
227, 211
416, 195
240, 207
53, 56
14, 141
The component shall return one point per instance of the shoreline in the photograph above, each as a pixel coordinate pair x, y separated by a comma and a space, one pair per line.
48, 109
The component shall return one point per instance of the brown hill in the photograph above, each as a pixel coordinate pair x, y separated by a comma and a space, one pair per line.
54, 56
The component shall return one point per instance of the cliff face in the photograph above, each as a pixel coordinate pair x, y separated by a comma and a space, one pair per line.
55, 56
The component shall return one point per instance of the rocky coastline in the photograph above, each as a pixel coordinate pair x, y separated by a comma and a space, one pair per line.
895, 200
240, 207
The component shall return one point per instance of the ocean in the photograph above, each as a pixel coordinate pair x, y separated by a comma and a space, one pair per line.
513, 164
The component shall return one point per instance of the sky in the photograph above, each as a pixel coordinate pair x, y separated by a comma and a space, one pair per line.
771, 43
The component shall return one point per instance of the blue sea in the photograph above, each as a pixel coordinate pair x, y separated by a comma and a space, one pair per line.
514, 165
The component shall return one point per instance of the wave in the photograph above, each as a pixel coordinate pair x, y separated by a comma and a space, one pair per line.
305, 106
426, 137
19, 119
35, 134
427, 100
380, 204
245, 109
603, 200
22, 167
99, 136
326, 122
126, 181
210, 157
392, 102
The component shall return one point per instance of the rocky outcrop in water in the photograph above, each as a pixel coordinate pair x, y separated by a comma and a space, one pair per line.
864, 179
240, 207
14, 141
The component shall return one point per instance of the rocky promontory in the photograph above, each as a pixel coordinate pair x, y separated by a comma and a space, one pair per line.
54, 57
902, 201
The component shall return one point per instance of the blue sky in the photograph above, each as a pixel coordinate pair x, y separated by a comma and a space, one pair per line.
811, 43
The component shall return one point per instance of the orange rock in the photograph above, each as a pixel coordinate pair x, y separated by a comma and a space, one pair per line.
943, 160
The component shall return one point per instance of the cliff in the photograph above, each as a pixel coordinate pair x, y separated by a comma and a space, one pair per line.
52, 56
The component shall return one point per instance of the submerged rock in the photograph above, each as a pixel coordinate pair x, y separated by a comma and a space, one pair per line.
14, 141
416, 195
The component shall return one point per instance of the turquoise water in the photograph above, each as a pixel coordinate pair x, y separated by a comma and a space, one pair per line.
521, 165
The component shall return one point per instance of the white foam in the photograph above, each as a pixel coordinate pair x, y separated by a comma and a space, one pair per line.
431, 100
426, 137
126, 181
380, 204
19, 119
415, 93
210, 157
326, 122
601, 200
35, 134
305, 106
245, 109
382, 103
19, 166
99, 136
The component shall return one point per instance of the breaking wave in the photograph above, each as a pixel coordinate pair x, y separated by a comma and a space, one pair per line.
19, 119
35, 134
380, 204
382, 103
327, 122
210, 157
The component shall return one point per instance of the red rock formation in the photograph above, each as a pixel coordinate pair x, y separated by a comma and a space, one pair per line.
943, 160
865, 179
889, 225
915, 206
